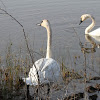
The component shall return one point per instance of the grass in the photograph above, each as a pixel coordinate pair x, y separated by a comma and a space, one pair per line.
17, 67
67, 73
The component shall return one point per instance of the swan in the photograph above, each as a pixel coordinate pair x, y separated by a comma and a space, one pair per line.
48, 69
94, 34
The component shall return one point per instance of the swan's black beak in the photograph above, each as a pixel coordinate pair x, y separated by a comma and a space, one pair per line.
80, 22
38, 24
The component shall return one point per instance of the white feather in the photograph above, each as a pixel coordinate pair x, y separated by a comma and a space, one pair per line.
48, 70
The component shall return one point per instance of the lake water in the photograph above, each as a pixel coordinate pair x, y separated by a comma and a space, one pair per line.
63, 16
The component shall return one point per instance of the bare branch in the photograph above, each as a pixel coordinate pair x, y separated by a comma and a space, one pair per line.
80, 43
25, 39
3, 4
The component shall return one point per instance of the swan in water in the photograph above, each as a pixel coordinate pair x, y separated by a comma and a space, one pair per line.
48, 69
94, 34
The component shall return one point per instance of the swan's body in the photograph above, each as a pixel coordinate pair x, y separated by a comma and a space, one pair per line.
94, 34
48, 69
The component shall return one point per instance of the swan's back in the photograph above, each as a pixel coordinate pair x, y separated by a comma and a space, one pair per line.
48, 70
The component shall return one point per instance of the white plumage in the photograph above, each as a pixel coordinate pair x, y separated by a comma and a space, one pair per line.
94, 34
48, 69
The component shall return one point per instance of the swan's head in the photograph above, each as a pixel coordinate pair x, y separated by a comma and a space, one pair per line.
84, 17
45, 23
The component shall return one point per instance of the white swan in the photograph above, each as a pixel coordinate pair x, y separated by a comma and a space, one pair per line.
94, 34
48, 69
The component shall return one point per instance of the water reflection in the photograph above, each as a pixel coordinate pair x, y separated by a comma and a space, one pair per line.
95, 42
85, 48
90, 39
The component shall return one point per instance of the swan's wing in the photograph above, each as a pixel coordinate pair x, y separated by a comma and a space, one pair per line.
95, 32
39, 64
32, 78
51, 70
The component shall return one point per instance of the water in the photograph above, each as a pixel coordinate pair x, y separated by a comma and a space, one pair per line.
62, 14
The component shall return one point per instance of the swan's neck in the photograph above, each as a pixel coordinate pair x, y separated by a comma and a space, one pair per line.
49, 42
90, 27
